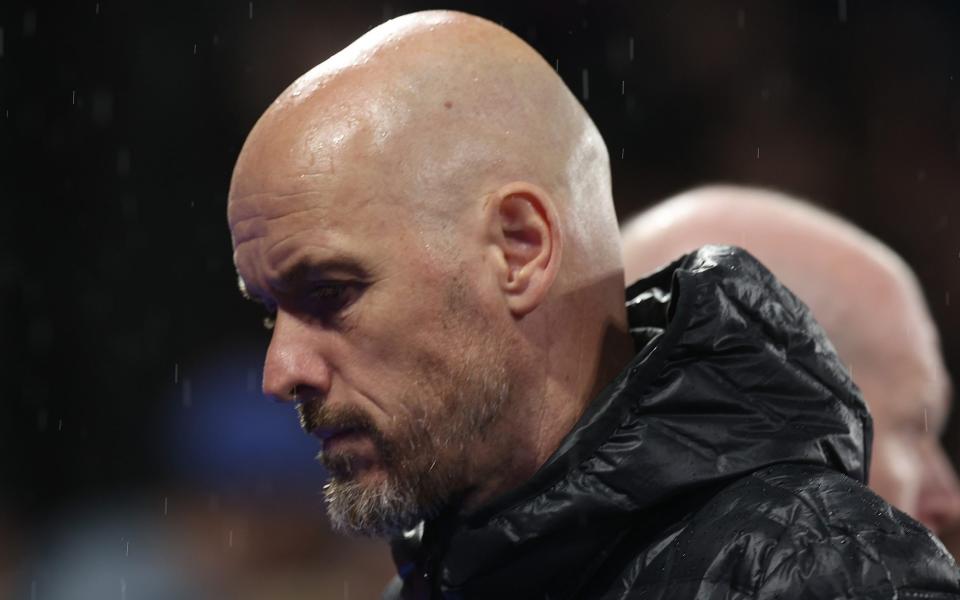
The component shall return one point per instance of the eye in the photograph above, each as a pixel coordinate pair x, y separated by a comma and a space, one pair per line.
328, 298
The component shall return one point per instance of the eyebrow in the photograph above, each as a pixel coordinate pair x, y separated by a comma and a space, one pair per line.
301, 267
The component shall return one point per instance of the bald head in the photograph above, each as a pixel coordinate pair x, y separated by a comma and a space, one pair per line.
448, 107
421, 211
865, 297
850, 280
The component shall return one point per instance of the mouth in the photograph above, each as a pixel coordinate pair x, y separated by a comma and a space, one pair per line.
328, 433
332, 438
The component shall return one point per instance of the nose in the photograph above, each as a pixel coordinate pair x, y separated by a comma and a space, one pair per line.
939, 506
296, 367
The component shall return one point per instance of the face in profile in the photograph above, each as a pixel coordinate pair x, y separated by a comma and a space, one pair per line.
378, 335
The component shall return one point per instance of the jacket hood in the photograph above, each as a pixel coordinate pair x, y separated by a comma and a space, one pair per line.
731, 375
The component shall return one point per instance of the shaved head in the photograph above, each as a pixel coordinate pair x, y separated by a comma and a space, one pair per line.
421, 211
451, 106
865, 297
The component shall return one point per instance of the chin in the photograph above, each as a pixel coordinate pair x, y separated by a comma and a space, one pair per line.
371, 505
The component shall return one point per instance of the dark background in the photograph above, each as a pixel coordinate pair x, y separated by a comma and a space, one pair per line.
129, 362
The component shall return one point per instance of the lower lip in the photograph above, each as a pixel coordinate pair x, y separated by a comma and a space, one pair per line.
339, 439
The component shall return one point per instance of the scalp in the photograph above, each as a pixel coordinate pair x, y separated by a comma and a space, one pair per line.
865, 296
447, 107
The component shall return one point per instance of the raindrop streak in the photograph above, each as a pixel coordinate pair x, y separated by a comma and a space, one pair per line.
623, 87
176, 372
622, 152
194, 48
96, 9
758, 151
166, 504
230, 539
250, 11
127, 550
585, 77
926, 426
842, 10
73, 97
556, 65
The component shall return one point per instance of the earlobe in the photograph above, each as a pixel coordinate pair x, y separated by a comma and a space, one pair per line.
525, 232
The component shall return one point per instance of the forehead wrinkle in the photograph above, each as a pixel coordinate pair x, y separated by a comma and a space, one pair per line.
282, 261
260, 225
254, 204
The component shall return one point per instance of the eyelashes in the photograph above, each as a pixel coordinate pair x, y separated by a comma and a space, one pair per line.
324, 301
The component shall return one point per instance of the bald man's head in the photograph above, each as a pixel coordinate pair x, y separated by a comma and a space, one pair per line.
865, 297
421, 210
447, 106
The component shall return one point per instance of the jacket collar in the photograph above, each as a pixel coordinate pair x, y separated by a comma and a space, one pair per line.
731, 375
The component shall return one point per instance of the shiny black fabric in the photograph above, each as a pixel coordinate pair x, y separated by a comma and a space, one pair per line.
727, 461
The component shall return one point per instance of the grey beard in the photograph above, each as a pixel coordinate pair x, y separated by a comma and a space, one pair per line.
384, 510
418, 485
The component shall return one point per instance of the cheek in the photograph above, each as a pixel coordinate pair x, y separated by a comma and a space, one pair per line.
400, 342
897, 469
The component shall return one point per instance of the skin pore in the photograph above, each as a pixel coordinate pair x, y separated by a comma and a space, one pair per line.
867, 300
435, 233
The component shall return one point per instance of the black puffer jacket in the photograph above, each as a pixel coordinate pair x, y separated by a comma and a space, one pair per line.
725, 462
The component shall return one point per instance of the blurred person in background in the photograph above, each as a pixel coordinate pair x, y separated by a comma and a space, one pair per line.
867, 300
427, 216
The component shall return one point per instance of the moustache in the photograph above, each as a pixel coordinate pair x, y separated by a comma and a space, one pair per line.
323, 421
320, 420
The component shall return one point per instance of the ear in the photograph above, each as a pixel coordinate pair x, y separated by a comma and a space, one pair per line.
523, 229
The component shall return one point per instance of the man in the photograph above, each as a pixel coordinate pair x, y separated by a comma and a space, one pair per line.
867, 300
428, 215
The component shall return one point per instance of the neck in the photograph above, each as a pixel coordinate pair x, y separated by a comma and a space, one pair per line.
529, 436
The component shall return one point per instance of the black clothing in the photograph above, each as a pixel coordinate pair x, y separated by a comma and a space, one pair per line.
725, 462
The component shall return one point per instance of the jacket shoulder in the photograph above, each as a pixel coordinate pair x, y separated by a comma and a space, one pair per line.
816, 533
848, 529
799, 532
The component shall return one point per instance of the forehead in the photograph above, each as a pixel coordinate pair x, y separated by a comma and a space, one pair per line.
314, 195
301, 158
